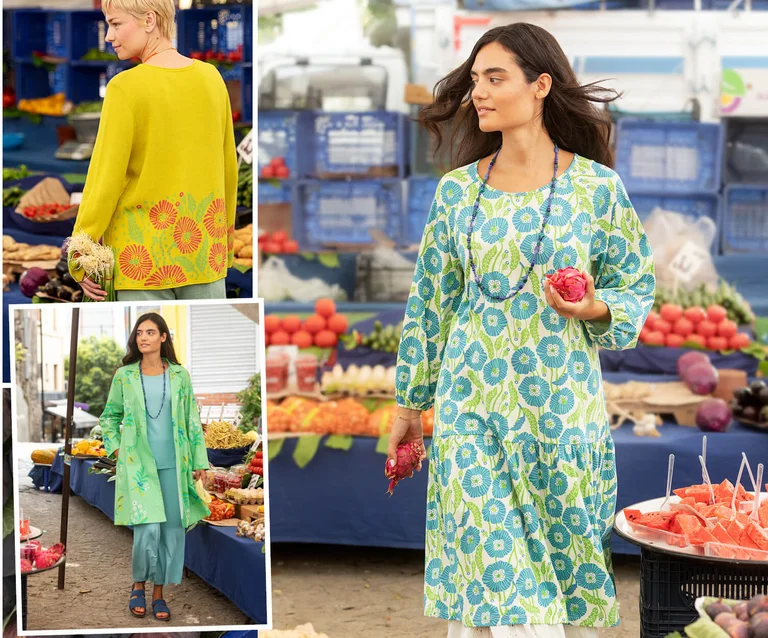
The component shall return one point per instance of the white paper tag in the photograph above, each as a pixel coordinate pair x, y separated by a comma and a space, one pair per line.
75, 198
245, 148
687, 262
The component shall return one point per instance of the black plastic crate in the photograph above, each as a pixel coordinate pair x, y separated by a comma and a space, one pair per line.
670, 585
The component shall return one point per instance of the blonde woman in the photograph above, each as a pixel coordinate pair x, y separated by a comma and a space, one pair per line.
161, 190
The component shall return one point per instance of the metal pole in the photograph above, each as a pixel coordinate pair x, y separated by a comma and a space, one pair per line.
42, 381
68, 434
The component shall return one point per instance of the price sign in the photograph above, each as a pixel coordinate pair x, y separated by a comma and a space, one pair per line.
687, 262
245, 148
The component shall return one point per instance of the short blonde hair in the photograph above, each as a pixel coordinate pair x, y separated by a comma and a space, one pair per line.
165, 11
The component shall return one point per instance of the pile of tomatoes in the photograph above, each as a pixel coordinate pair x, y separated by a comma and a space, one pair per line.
44, 210
278, 243
711, 329
276, 169
220, 56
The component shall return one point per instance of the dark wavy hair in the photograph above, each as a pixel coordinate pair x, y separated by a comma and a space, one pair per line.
132, 354
569, 113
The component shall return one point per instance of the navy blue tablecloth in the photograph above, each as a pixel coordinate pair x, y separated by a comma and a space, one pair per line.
40, 146
227, 458
340, 497
650, 360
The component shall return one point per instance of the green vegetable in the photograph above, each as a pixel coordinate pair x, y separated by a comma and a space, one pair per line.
11, 174
245, 185
98, 56
12, 196
87, 107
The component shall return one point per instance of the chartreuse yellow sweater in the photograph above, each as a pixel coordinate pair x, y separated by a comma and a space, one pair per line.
161, 189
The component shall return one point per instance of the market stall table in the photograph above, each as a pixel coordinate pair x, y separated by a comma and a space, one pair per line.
40, 146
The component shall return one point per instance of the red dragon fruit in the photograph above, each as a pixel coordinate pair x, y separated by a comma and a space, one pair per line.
570, 283
408, 456
57, 549
26, 566
46, 559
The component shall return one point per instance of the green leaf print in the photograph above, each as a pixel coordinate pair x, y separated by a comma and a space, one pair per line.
574, 417
467, 620
191, 205
628, 234
489, 257
157, 250
514, 256
524, 336
590, 598
513, 396
456, 494
431, 594
528, 198
570, 470
474, 379
605, 225
534, 278
534, 328
590, 621
202, 206
611, 186
120, 503
579, 394
141, 480
550, 616
581, 253
487, 342
529, 607
419, 377
532, 421
476, 514
492, 395
186, 264
588, 551
201, 263
134, 232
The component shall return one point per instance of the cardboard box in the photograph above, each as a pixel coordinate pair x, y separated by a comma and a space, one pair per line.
417, 94
251, 512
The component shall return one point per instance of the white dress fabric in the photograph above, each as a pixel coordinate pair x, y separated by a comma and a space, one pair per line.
457, 630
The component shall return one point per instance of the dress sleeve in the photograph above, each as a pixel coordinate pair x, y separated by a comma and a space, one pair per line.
195, 430
231, 172
434, 298
625, 279
112, 416
107, 172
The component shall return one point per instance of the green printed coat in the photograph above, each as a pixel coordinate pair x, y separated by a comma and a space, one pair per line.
138, 497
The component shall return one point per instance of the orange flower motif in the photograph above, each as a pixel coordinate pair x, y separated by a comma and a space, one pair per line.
215, 219
135, 262
217, 258
162, 215
187, 235
230, 238
167, 277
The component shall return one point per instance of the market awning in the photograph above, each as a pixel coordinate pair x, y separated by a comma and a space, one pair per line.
81, 418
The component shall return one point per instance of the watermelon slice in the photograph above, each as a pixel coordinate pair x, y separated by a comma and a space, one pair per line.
724, 491
735, 529
762, 513
722, 535
632, 515
657, 520
745, 540
700, 494
675, 528
688, 524
681, 492
688, 500
722, 512
758, 535
701, 536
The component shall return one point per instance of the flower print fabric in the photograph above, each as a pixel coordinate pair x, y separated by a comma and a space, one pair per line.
522, 480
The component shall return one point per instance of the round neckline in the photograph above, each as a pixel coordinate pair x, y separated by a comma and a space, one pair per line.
152, 376
474, 167
164, 68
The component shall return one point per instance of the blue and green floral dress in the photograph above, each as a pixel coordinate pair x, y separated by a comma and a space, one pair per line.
522, 477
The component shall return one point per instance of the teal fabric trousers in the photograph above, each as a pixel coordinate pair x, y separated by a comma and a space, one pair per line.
213, 290
158, 548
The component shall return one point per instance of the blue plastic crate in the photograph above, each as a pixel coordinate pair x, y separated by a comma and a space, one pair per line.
421, 193
246, 113
422, 145
359, 144
33, 82
278, 134
275, 192
57, 33
85, 83
745, 219
669, 157
29, 32
344, 212
89, 28
248, 33
218, 29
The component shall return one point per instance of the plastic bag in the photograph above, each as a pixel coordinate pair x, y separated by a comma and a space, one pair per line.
204, 496
276, 283
668, 233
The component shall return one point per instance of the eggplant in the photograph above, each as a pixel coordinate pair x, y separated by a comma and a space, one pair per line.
69, 280
65, 293
62, 268
77, 296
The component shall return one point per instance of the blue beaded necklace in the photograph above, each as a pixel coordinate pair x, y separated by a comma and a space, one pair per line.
146, 406
536, 249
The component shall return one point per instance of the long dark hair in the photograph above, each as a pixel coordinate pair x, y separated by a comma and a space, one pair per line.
569, 112
132, 354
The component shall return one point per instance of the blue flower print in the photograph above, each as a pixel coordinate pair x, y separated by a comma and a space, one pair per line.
562, 401
433, 572
486, 616
465, 218
546, 251
495, 371
590, 576
608, 467
447, 583
535, 391
607, 509
502, 486
445, 381
566, 257
524, 361
514, 465
553, 321
514, 523
558, 536
631, 264
539, 476
576, 608
645, 246
526, 583
497, 424
445, 472
461, 389
456, 344
609, 588
575, 519
411, 351
547, 593
476, 482
560, 212
432, 352
451, 192
579, 366
498, 577
593, 383
475, 592
494, 230
524, 306
440, 235
403, 376
470, 540
415, 307
449, 283
494, 322
582, 227
495, 284
430, 323
499, 544
599, 243
558, 483
529, 447
449, 411
550, 424
515, 616
525, 220
418, 394
433, 261
453, 560
601, 201
470, 424
494, 511
426, 288
432, 517
475, 357
466, 456
573, 436
553, 506
645, 285
552, 352
617, 250
536, 550
489, 444
531, 519
563, 565
449, 526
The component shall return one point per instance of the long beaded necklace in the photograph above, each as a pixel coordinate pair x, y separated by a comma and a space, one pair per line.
146, 406
536, 249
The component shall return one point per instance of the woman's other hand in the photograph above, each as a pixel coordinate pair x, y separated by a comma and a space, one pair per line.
117, 454
407, 428
199, 475
92, 289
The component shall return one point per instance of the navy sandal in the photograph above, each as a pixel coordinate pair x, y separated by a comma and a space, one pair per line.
138, 599
159, 607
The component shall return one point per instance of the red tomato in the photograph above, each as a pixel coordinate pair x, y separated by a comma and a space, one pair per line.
662, 326
291, 324
717, 343
683, 327
653, 317
694, 314
706, 328
268, 172
280, 338
236, 116
697, 339
739, 341
197, 55
277, 161
271, 324
291, 246
671, 312
282, 172
221, 56
272, 248
716, 313
673, 340
727, 328
279, 236
655, 338
264, 239
643, 336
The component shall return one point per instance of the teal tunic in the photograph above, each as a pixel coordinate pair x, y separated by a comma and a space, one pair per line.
160, 429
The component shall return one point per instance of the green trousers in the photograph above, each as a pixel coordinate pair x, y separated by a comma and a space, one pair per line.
213, 290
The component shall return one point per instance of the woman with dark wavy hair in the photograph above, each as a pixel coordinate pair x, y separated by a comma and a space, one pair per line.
522, 480
151, 425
